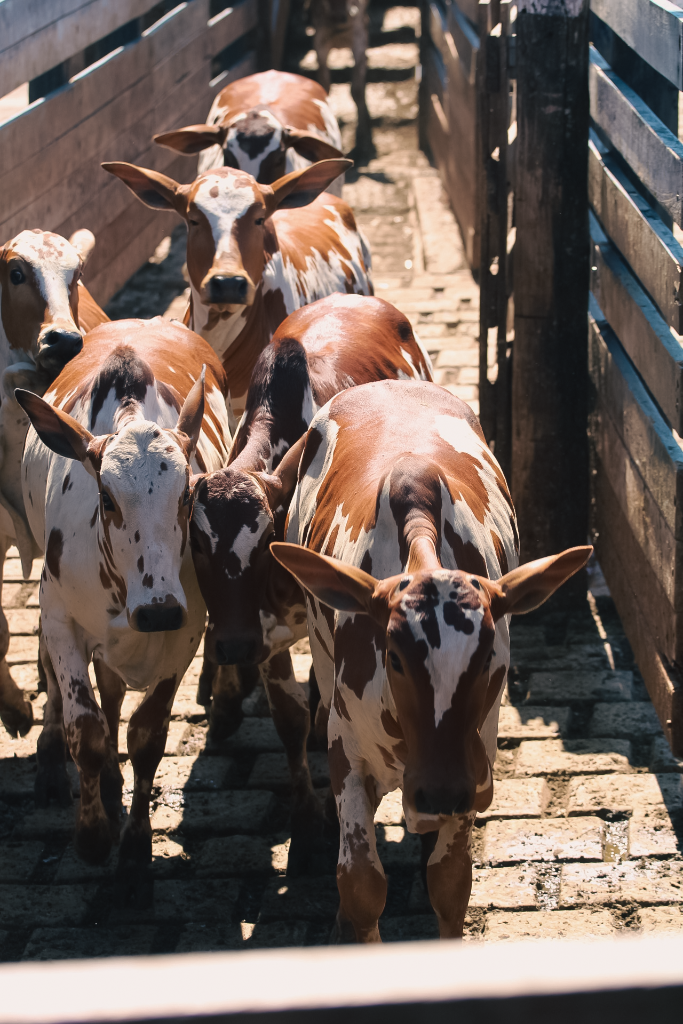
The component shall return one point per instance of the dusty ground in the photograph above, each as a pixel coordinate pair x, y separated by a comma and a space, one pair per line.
584, 834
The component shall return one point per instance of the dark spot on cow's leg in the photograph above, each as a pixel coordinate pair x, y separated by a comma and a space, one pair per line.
52, 780
53, 553
112, 691
449, 875
315, 742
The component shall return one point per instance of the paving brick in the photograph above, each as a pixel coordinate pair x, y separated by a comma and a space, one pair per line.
30, 906
598, 794
255, 736
168, 856
234, 855
507, 888
13, 570
631, 721
22, 648
270, 771
661, 919
23, 621
548, 924
54, 823
18, 861
572, 757
25, 676
309, 899
661, 758
185, 706
24, 746
178, 733
397, 848
195, 901
509, 842
73, 869
207, 938
531, 723
216, 813
68, 943
652, 835
191, 774
390, 810
517, 798
269, 935
409, 929
573, 687
646, 881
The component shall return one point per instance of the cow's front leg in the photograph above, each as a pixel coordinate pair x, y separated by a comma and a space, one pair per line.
289, 708
147, 732
16, 712
360, 876
359, 44
52, 779
112, 691
231, 684
322, 42
449, 874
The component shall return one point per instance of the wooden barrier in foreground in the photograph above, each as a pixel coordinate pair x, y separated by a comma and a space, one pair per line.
628, 980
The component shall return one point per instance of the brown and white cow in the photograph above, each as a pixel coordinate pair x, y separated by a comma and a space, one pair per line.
44, 312
255, 253
266, 124
106, 476
406, 542
256, 611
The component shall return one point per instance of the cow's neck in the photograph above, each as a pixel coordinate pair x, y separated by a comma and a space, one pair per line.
422, 556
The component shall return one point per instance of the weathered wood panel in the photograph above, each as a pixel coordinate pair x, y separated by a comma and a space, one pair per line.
470, 8
647, 145
654, 28
36, 35
641, 237
655, 352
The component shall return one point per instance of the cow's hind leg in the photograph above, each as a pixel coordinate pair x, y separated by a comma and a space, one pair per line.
289, 707
147, 732
449, 874
112, 691
16, 712
52, 779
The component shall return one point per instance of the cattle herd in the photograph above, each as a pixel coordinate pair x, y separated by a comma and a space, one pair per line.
282, 460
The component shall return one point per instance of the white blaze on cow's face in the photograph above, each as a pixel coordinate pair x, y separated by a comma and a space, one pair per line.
39, 273
225, 243
144, 509
254, 144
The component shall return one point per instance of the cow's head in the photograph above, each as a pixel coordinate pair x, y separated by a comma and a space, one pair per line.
439, 628
39, 274
245, 590
143, 476
226, 213
255, 141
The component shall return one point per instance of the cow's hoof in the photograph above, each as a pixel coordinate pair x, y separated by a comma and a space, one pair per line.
343, 933
224, 722
52, 783
94, 842
136, 849
17, 717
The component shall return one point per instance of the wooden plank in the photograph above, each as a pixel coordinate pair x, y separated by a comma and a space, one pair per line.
638, 325
36, 36
639, 234
230, 24
465, 40
470, 8
647, 145
653, 28
645, 433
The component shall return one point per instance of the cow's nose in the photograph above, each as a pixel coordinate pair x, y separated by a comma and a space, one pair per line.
158, 618
58, 347
236, 652
231, 291
443, 801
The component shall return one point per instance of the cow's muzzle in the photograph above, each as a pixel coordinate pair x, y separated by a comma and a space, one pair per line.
158, 618
240, 651
444, 800
224, 290
57, 347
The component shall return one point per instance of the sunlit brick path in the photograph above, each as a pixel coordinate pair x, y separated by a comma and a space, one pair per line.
584, 834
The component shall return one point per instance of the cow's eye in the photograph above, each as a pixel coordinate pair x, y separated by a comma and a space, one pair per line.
395, 662
475, 583
194, 223
260, 220
107, 503
17, 276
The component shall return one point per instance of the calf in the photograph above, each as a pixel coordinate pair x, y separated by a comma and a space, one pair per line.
106, 476
267, 125
256, 611
255, 253
345, 23
408, 553
44, 312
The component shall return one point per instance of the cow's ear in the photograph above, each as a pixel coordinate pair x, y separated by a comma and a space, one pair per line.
341, 586
528, 586
279, 485
58, 431
83, 242
153, 189
192, 413
193, 139
310, 146
301, 187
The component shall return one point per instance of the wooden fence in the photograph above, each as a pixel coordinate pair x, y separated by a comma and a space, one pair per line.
123, 71
635, 327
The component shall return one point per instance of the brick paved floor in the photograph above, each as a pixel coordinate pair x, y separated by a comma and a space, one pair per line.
585, 833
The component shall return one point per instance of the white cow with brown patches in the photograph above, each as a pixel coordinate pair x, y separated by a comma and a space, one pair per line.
44, 312
406, 544
106, 477
255, 253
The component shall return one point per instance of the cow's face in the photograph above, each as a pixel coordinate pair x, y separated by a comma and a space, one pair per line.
439, 636
230, 531
39, 274
143, 477
226, 212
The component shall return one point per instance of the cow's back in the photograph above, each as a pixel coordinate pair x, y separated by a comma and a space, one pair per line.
295, 100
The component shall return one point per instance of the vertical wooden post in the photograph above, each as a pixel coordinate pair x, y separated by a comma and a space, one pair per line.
550, 373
